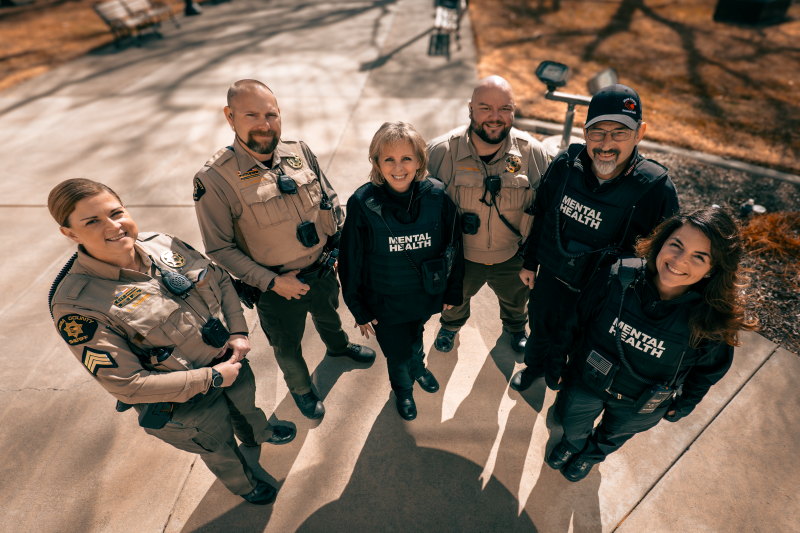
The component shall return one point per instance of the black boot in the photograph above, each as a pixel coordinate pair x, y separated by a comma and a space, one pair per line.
309, 405
428, 382
558, 456
523, 379
407, 408
576, 469
263, 494
356, 352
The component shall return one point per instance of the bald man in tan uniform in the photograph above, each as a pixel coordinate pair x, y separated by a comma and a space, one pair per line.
494, 225
267, 214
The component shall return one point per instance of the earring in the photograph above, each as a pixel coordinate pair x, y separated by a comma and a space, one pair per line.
707, 275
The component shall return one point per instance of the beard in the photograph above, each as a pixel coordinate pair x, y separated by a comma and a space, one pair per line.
604, 168
480, 131
259, 147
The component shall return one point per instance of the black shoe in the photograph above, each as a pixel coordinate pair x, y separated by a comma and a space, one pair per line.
281, 435
263, 494
558, 456
428, 382
445, 340
576, 469
407, 408
309, 405
356, 352
518, 340
523, 379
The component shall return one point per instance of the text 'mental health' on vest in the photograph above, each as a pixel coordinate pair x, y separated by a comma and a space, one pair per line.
638, 339
409, 242
582, 213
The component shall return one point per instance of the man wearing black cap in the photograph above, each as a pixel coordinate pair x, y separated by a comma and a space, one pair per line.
595, 200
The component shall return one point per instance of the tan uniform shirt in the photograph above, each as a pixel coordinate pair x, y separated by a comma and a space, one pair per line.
248, 224
104, 312
520, 162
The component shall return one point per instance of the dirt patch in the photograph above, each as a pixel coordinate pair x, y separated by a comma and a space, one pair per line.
716, 88
48, 33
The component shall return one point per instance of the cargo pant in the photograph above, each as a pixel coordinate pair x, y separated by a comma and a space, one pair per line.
207, 427
284, 322
503, 279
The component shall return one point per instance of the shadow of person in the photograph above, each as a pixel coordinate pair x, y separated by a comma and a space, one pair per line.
398, 486
556, 503
220, 511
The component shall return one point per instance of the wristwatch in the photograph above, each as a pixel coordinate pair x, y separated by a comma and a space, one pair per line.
216, 379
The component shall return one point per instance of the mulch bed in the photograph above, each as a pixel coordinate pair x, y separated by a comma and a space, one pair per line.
717, 88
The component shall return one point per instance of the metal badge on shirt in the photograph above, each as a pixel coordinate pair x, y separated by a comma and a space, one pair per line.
173, 259
513, 164
294, 162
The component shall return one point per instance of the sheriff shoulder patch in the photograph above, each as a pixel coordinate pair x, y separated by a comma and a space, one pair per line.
94, 360
294, 162
513, 164
125, 297
199, 190
76, 329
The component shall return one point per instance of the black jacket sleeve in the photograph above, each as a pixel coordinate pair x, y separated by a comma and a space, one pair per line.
710, 368
355, 233
660, 203
454, 294
544, 197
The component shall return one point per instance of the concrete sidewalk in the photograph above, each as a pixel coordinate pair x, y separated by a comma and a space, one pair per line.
143, 121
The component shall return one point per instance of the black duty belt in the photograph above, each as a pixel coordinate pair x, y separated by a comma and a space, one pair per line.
310, 269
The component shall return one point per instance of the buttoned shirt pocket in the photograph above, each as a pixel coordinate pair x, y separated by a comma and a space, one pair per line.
516, 193
207, 288
469, 190
267, 204
308, 189
149, 317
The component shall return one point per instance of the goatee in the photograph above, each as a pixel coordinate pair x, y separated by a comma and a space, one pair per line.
478, 129
259, 147
604, 168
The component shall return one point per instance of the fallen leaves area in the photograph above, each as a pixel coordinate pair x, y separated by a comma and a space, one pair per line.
46, 33
718, 88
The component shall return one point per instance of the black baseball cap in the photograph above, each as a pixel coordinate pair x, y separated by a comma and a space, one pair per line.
618, 103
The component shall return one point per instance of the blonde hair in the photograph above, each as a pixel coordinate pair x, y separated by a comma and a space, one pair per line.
62, 199
391, 133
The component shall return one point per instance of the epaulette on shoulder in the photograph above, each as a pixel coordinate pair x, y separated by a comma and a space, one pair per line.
148, 236
284, 141
651, 168
220, 157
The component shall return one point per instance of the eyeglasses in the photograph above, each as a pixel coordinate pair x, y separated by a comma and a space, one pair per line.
617, 135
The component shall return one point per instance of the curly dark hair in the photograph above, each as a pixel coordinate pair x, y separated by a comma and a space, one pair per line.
720, 316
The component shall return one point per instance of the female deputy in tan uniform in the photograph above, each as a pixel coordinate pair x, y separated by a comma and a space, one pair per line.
401, 259
151, 319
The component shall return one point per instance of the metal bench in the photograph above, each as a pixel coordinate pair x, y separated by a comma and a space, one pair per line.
127, 18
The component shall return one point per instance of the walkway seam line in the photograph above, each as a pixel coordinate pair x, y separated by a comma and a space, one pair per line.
180, 492
734, 395
361, 94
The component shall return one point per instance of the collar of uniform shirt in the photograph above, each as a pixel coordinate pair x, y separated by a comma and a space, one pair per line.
104, 270
276, 160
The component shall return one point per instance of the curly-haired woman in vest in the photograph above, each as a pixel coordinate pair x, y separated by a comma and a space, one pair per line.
651, 335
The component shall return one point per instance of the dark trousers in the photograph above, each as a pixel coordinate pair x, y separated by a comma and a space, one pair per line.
402, 346
620, 422
284, 322
503, 279
207, 427
552, 304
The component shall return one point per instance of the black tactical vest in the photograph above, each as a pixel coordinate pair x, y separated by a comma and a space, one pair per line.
388, 268
653, 348
591, 221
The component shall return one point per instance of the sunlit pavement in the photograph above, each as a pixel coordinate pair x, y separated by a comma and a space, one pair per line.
143, 120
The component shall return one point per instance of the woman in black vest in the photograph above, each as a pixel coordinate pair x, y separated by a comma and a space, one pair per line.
392, 257
651, 335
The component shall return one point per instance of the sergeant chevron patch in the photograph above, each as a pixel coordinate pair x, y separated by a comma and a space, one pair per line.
94, 360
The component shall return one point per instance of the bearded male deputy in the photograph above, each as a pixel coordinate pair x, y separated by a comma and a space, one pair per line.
595, 201
269, 216
490, 171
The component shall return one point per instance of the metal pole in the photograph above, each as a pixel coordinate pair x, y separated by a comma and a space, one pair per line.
568, 126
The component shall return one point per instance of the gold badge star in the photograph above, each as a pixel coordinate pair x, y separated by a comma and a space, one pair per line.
73, 329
